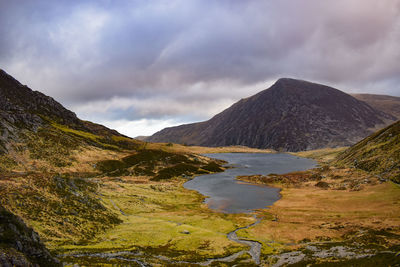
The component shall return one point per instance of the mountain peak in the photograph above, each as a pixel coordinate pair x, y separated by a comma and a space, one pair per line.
291, 82
291, 115
301, 85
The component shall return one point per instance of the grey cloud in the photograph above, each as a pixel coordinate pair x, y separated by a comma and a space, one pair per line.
196, 56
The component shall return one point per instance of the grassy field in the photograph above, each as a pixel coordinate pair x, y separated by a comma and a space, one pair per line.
204, 150
162, 223
333, 205
323, 156
162, 219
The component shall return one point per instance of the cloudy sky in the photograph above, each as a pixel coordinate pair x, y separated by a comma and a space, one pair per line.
140, 66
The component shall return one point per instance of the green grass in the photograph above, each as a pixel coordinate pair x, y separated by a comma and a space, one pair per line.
156, 217
378, 153
158, 164
85, 135
61, 209
324, 155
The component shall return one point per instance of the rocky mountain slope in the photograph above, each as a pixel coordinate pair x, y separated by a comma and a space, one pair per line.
20, 245
385, 103
291, 115
378, 153
24, 111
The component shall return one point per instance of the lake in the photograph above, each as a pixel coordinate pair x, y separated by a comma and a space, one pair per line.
228, 195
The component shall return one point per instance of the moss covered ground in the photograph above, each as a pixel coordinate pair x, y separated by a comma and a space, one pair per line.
162, 219
378, 153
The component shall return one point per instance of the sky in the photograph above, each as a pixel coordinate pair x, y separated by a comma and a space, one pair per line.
140, 66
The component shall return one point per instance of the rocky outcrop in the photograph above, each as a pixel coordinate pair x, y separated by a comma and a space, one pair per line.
19, 104
292, 115
20, 245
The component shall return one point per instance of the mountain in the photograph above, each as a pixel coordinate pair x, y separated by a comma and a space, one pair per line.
378, 153
53, 165
141, 137
385, 103
292, 115
31, 120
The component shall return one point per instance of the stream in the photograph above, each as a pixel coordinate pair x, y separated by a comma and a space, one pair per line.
255, 247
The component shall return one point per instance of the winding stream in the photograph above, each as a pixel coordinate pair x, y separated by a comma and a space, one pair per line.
255, 247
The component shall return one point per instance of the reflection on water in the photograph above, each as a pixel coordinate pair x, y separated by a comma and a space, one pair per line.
230, 196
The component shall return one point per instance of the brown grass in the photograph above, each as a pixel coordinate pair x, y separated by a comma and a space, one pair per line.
203, 150
309, 212
323, 155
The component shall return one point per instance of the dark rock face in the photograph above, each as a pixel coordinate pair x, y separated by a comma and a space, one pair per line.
20, 245
24, 105
22, 108
292, 115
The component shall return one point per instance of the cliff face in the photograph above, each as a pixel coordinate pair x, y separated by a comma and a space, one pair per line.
291, 115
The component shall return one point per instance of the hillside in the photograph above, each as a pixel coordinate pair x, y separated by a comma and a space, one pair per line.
378, 153
35, 127
24, 112
292, 115
20, 245
54, 166
385, 103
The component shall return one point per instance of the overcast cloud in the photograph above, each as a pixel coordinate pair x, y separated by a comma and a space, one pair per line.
139, 66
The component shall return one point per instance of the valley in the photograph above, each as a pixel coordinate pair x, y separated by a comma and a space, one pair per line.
75, 193
160, 223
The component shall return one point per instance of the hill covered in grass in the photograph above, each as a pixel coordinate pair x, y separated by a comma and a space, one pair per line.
34, 126
378, 153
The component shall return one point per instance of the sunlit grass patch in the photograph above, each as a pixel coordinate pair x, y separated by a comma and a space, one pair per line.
165, 218
83, 134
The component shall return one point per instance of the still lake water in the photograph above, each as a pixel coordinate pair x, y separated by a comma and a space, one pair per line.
229, 195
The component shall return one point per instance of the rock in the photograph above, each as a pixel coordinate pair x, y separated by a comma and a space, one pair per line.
20, 245
186, 232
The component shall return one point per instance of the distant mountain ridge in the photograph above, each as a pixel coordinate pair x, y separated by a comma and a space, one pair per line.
385, 103
292, 115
